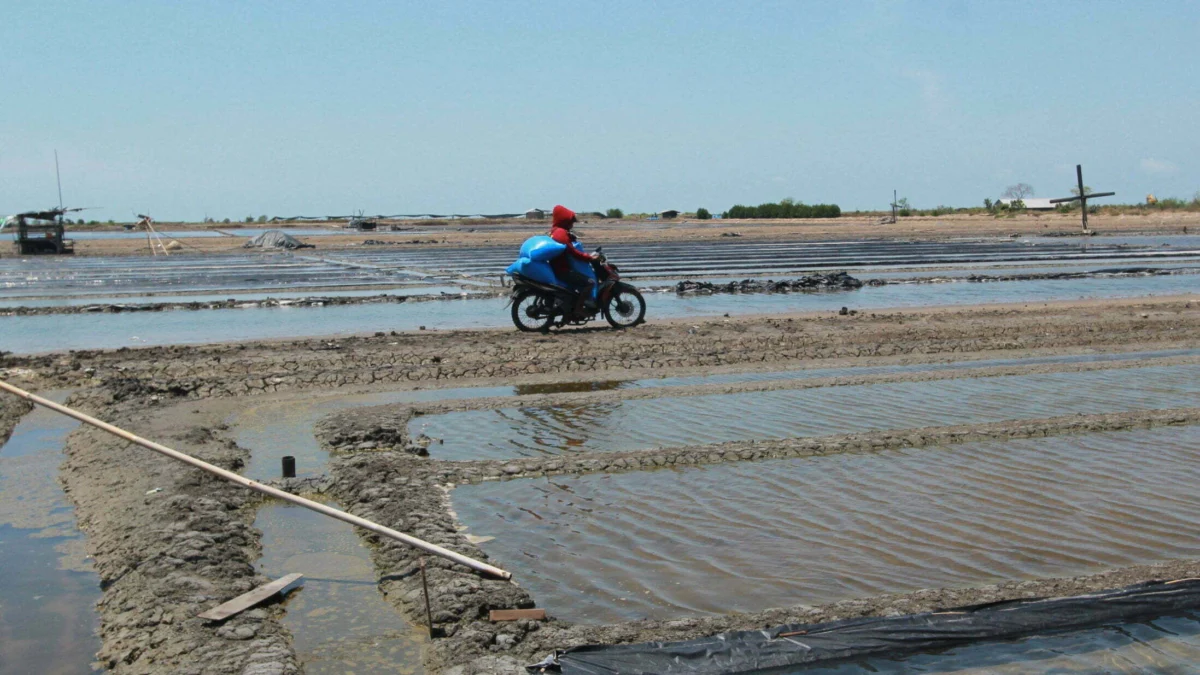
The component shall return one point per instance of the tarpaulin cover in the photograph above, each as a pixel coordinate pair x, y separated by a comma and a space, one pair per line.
798, 645
275, 239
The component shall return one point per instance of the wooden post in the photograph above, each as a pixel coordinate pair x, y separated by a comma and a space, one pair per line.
259, 487
1082, 197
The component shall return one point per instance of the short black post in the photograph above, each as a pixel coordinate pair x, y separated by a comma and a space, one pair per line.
433, 633
289, 466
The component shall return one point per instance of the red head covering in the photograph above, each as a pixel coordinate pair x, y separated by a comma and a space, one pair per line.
563, 217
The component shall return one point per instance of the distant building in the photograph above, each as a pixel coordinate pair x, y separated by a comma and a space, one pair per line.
669, 214
535, 214
1032, 203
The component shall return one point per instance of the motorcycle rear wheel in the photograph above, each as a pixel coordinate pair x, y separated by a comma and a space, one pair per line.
626, 308
531, 311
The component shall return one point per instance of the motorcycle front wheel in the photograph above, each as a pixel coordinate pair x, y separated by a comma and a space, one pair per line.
532, 311
626, 308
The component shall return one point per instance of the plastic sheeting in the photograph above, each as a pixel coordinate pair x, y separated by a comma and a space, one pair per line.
276, 239
534, 261
798, 645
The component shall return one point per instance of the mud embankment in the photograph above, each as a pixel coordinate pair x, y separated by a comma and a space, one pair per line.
840, 281
679, 347
12, 409
169, 542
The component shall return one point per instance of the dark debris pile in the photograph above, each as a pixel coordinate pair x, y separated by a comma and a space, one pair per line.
834, 281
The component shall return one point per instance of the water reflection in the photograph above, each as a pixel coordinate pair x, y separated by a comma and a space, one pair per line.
48, 589
677, 421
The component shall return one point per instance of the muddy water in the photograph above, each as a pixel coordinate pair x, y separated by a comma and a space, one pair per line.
753, 535
339, 621
1168, 644
27, 334
676, 421
48, 590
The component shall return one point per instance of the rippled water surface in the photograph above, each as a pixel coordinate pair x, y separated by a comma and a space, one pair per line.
751, 535
48, 589
676, 421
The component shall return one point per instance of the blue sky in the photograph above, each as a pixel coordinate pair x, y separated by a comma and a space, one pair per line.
230, 109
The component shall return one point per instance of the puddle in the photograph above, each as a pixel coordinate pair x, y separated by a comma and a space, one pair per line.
48, 591
1168, 644
102, 299
29, 334
339, 620
752, 535
695, 420
340, 623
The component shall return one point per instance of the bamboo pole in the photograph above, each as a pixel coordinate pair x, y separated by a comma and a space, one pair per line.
259, 487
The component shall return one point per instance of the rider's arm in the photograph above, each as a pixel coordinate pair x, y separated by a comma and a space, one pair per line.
564, 237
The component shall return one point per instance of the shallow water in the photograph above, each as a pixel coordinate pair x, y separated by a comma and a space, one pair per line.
752, 535
694, 420
1169, 644
102, 299
48, 590
32, 334
339, 621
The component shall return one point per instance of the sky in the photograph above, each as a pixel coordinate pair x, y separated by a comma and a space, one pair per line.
231, 109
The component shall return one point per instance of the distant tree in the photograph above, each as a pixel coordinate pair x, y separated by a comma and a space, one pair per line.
614, 213
226, 221
262, 219
249, 219
988, 205
1087, 189
703, 214
1018, 191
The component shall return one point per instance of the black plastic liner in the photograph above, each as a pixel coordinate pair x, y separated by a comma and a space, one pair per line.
823, 643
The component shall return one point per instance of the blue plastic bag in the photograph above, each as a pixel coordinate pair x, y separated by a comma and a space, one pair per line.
541, 248
538, 271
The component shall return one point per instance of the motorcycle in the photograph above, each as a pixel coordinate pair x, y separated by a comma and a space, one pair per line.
539, 306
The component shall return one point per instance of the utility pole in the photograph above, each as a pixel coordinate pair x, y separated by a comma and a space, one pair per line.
1082, 197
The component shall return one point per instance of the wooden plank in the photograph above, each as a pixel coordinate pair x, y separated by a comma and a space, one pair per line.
514, 614
247, 600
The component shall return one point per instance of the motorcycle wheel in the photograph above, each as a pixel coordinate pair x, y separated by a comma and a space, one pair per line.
626, 308
531, 311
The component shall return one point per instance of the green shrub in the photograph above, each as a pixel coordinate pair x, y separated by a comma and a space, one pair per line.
614, 213
784, 209
703, 214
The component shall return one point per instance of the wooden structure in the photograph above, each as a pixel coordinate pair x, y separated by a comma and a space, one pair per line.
41, 233
1082, 197
668, 214
257, 596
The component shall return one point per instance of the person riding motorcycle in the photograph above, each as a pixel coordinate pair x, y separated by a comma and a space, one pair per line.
563, 219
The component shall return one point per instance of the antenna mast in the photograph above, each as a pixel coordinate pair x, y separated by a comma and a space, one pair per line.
58, 176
